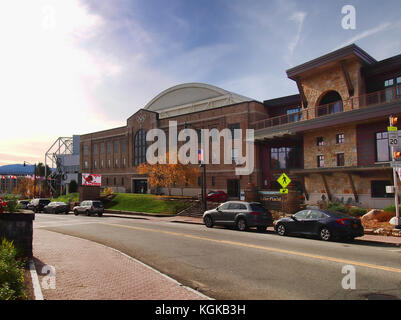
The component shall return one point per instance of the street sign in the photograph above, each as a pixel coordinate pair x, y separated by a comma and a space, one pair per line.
392, 128
284, 191
393, 139
284, 180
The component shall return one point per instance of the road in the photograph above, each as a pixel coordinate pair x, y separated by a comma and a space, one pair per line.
228, 264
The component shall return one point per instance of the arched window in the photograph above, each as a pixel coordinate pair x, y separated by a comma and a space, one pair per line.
330, 103
139, 147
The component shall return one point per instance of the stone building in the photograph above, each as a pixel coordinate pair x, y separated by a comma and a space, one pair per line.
330, 137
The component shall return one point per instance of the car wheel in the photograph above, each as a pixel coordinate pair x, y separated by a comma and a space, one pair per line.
54, 211
100, 214
208, 221
67, 212
241, 224
76, 212
325, 234
281, 230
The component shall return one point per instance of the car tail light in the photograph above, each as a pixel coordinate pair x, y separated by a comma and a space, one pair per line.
342, 221
255, 213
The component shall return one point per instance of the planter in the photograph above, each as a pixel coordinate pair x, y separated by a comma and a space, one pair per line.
18, 227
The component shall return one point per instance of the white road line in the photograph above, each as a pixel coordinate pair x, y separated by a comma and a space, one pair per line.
37, 291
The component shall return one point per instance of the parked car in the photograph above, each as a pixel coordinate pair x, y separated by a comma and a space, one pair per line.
37, 205
23, 203
239, 214
217, 196
57, 207
324, 224
89, 207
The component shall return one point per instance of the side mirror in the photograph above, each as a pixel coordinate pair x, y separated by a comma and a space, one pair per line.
218, 209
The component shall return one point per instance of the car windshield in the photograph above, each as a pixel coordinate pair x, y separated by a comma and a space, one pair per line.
97, 204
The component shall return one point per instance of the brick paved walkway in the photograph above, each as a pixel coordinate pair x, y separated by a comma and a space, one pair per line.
87, 270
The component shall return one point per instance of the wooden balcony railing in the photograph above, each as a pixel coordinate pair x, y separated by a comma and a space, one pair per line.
370, 99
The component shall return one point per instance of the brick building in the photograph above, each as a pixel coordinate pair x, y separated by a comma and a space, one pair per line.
330, 138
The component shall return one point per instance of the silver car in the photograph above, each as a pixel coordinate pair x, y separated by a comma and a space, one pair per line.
89, 207
240, 214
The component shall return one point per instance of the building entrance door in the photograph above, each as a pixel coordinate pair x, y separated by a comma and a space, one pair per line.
140, 186
233, 188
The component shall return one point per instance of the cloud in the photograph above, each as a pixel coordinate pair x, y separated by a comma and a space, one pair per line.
299, 18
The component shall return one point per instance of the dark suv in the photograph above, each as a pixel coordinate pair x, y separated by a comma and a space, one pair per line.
89, 207
37, 205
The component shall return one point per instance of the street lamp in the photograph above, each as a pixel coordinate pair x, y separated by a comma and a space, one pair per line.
34, 177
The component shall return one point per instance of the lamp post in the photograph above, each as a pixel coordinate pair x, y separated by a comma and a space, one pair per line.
34, 177
395, 157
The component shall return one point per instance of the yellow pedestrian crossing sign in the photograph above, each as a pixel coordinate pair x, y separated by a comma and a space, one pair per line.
284, 180
283, 190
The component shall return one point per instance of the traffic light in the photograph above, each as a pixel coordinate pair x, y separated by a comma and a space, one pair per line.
397, 155
393, 121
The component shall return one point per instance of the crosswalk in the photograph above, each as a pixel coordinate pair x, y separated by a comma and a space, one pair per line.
47, 220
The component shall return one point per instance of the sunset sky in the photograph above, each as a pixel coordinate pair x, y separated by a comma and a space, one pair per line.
73, 67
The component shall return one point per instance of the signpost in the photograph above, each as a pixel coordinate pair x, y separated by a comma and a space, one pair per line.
393, 141
284, 181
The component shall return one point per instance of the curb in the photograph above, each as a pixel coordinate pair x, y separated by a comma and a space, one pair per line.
37, 291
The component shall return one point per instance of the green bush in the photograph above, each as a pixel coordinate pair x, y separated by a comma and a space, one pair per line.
357, 212
12, 204
73, 187
391, 209
337, 206
11, 273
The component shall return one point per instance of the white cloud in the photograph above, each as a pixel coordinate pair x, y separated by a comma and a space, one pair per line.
299, 18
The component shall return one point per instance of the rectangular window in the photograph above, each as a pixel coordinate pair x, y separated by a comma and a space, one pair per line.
95, 149
101, 164
285, 158
86, 164
294, 114
320, 161
115, 163
95, 164
86, 150
122, 181
389, 82
232, 128
340, 160
108, 163
319, 141
115, 148
340, 138
123, 146
108, 147
114, 180
124, 162
378, 189
213, 181
102, 148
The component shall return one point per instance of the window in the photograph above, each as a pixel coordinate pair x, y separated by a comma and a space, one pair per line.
108, 163
124, 162
294, 114
234, 154
199, 181
95, 149
319, 141
378, 189
107, 181
122, 181
224, 206
213, 181
115, 163
285, 157
86, 150
95, 164
115, 148
232, 128
301, 214
86, 164
140, 147
237, 206
101, 164
102, 148
123, 146
320, 161
340, 160
114, 180
340, 138
108, 147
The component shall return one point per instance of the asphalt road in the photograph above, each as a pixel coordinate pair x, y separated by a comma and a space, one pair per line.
228, 264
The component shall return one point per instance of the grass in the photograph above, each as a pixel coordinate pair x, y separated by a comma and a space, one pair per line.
146, 203
64, 198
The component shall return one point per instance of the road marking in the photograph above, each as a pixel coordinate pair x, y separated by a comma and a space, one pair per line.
271, 249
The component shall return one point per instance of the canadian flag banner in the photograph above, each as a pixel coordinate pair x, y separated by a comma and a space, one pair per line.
91, 179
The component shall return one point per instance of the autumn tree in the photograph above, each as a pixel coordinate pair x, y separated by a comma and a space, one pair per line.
169, 175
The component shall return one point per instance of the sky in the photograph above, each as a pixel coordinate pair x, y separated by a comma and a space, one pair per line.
77, 66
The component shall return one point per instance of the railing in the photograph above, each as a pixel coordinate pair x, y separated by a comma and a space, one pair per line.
370, 99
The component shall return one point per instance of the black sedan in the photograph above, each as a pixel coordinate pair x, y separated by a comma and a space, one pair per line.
56, 207
324, 224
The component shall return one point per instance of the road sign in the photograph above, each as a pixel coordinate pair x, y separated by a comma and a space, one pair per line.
392, 128
284, 180
393, 139
283, 190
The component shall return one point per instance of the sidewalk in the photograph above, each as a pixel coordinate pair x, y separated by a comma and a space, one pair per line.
85, 270
193, 220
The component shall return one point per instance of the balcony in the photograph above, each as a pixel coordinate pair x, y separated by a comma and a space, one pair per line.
382, 97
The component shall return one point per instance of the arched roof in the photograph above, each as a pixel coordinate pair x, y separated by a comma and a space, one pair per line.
190, 97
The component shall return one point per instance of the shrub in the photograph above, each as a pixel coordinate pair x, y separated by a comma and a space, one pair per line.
337, 206
11, 273
12, 204
73, 187
357, 212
